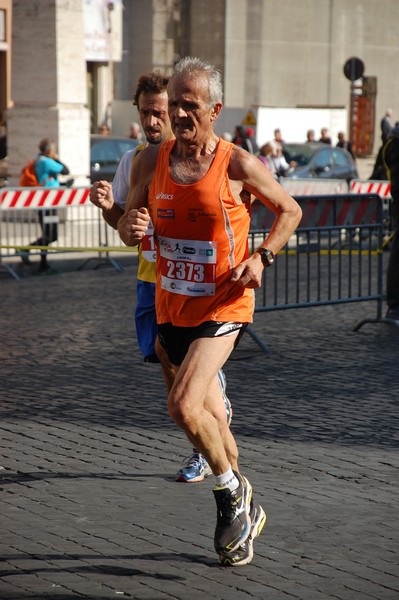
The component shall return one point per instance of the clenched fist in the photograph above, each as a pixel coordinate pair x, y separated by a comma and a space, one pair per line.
101, 195
133, 226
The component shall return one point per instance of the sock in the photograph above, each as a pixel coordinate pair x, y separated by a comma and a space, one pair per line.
227, 479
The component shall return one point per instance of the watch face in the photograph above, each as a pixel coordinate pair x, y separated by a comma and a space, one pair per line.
267, 257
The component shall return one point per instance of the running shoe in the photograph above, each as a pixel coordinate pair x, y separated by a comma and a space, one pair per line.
244, 553
195, 469
233, 521
227, 403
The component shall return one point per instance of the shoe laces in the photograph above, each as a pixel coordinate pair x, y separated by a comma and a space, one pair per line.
193, 460
225, 503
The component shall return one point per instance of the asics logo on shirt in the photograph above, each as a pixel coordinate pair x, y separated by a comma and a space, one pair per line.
162, 196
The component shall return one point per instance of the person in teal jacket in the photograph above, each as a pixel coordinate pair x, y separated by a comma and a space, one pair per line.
48, 166
47, 169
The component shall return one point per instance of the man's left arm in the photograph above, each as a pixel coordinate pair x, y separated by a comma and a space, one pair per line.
259, 182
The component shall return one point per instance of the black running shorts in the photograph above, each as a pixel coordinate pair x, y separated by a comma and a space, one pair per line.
176, 340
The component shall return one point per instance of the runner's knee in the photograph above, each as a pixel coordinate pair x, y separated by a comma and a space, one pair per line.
184, 414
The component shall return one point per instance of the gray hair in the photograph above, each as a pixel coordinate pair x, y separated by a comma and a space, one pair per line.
189, 65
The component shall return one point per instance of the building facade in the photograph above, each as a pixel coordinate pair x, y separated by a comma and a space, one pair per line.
276, 55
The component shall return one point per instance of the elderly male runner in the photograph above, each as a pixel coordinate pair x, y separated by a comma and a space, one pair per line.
197, 189
151, 99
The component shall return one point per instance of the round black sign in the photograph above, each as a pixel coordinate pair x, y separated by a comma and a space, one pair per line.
353, 68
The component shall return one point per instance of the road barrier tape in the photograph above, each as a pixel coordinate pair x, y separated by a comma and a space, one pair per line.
43, 197
382, 188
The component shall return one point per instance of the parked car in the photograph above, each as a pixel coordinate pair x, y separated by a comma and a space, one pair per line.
106, 153
321, 161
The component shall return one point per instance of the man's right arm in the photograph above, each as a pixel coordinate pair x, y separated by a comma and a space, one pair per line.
113, 215
102, 197
112, 199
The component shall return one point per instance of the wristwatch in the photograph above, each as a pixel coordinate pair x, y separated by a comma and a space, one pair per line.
266, 256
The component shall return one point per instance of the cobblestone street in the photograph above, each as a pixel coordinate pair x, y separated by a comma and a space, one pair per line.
89, 507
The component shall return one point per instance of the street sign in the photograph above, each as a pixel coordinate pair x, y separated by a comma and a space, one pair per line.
249, 118
353, 68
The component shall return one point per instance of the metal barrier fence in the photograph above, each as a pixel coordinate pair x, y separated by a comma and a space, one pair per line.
380, 187
334, 257
58, 220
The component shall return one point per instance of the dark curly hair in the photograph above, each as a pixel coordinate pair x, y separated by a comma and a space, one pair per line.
153, 83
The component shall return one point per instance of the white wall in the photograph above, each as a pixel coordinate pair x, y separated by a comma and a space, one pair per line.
295, 122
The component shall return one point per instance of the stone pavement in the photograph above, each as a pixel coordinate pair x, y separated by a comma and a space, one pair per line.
89, 507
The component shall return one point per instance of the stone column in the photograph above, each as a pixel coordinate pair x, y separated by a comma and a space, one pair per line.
48, 88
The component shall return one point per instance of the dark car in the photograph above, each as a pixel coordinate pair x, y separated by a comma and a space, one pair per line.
106, 153
321, 161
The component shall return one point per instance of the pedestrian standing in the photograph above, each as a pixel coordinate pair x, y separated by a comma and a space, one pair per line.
47, 167
386, 125
345, 144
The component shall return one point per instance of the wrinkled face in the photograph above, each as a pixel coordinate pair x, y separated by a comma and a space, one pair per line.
190, 116
154, 118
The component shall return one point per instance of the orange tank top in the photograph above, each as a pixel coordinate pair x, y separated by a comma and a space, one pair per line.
201, 234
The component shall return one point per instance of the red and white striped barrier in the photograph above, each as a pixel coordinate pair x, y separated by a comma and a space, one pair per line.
314, 187
42, 197
382, 188
69, 221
